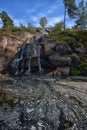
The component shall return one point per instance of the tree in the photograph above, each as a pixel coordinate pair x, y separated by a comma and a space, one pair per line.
58, 26
70, 8
43, 22
30, 26
6, 20
23, 27
81, 21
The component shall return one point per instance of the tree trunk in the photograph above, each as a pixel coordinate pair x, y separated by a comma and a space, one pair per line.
65, 18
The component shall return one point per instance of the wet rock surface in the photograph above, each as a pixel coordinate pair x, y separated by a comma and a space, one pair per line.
42, 103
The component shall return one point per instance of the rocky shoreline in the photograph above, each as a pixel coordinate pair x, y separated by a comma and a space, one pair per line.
51, 100
41, 103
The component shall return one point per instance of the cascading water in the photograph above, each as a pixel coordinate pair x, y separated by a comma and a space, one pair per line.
28, 51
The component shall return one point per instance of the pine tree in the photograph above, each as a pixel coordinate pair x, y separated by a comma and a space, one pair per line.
6, 20
43, 22
81, 21
70, 8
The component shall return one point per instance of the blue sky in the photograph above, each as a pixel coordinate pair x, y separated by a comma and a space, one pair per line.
30, 11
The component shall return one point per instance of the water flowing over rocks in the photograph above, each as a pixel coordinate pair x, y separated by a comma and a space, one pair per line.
41, 103
35, 96
53, 55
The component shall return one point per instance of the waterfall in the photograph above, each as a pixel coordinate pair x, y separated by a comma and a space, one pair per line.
28, 51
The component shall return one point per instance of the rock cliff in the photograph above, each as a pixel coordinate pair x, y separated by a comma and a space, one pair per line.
56, 59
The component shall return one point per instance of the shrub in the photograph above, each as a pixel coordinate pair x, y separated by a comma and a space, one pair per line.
75, 72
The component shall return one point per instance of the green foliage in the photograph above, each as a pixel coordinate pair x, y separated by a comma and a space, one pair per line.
70, 35
30, 27
43, 21
23, 27
75, 71
79, 69
38, 30
58, 27
82, 65
70, 8
6, 20
81, 21
82, 36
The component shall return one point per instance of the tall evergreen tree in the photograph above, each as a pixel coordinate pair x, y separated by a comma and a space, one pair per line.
6, 20
70, 8
81, 21
43, 22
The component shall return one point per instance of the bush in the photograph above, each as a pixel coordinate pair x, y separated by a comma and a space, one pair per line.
78, 70
70, 35
83, 64
75, 72
58, 27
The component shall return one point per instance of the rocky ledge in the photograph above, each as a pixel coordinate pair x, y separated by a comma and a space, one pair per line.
41, 103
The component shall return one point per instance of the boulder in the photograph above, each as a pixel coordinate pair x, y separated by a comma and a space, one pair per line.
80, 50
54, 73
75, 59
3, 42
62, 49
60, 60
48, 46
3, 65
65, 71
60, 72
74, 45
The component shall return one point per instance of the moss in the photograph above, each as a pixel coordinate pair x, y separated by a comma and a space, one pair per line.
75, 72
6, 98
68, 124
4, 77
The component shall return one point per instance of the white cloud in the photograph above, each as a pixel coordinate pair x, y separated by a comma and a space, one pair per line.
53, 20
0, 20
34, 9
34, 18
0, 23
52, 9
37, 24
70, 24
18, 21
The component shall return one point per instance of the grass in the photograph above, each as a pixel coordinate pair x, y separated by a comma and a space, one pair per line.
68, 36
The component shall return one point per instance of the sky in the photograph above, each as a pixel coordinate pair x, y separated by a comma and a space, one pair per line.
30, 11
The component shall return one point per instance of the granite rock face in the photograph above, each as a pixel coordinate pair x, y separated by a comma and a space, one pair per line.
52, 55
9, 46
43, 103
